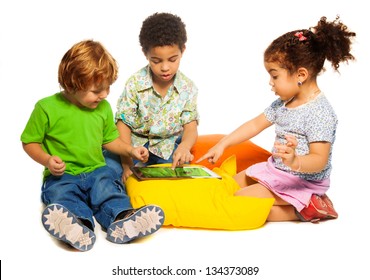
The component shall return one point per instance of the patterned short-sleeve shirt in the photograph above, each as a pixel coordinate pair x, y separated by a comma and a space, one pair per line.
311, 122
153, 118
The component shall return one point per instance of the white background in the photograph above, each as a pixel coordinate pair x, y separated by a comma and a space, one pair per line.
226, 40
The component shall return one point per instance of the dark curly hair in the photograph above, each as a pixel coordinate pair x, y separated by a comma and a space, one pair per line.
310, 48
162, 29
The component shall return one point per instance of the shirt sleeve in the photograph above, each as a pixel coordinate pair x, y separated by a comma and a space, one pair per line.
127, 106
321, 125
190, 111
110, 131
270, 112
36, 126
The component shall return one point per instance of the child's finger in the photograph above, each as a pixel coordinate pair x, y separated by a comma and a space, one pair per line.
201, 158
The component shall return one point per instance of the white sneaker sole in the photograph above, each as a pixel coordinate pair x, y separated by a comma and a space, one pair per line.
63, 225
143, 222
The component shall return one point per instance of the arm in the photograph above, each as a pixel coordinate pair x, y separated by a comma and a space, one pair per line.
189, 137
314, 161
126, 162
121, 148
53, 163
128, 109
245, 132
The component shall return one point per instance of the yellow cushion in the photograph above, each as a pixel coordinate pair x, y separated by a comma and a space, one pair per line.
202, 203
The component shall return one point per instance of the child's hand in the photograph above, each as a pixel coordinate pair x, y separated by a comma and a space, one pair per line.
140, 153
126, 173
291, 141
56, 166
213, 154
180, 156
287, 151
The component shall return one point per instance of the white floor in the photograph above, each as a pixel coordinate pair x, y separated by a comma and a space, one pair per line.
328, 250
226, 42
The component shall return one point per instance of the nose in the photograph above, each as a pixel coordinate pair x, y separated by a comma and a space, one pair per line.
164, 67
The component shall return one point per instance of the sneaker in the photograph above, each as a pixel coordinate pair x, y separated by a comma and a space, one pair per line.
65, 226
140, 222
319, 208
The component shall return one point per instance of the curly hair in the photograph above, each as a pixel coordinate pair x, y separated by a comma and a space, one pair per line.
162, 29
85, 64
310, 48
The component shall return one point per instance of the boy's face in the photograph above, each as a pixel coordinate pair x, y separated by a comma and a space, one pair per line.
89, 98
164, 62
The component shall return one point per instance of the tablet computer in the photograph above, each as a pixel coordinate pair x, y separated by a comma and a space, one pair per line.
166, 172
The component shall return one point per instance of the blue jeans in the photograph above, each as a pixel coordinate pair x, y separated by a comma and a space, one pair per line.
114, 161
98, 193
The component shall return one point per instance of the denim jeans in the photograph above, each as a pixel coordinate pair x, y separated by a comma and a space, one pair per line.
96, 194
114, 161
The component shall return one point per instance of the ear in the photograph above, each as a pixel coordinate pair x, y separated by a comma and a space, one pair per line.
302, 74
183, 49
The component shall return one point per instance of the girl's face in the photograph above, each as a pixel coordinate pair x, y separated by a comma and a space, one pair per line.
282, 83
89, 98
164, 62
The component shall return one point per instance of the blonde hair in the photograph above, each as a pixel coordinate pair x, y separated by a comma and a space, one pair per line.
86, 64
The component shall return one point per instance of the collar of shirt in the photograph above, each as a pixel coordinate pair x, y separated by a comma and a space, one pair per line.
145, 80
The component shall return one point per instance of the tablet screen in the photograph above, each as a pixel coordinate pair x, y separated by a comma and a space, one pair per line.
161, 172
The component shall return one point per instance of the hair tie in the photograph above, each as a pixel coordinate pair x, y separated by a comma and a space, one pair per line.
300, 36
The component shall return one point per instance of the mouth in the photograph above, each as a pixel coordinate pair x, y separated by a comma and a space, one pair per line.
95, 104
166, 76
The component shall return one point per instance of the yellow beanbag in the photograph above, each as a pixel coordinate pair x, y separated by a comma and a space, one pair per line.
202, 203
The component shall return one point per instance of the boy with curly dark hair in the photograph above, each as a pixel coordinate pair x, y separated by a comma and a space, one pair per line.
158, 107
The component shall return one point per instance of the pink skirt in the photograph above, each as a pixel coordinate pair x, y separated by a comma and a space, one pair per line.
290, 188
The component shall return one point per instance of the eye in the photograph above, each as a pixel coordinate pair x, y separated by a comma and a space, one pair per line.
155, 61
99, 91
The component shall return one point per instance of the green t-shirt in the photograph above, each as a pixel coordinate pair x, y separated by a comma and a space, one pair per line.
74, 134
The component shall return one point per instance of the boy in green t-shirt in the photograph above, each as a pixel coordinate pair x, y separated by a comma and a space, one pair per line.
66, 133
